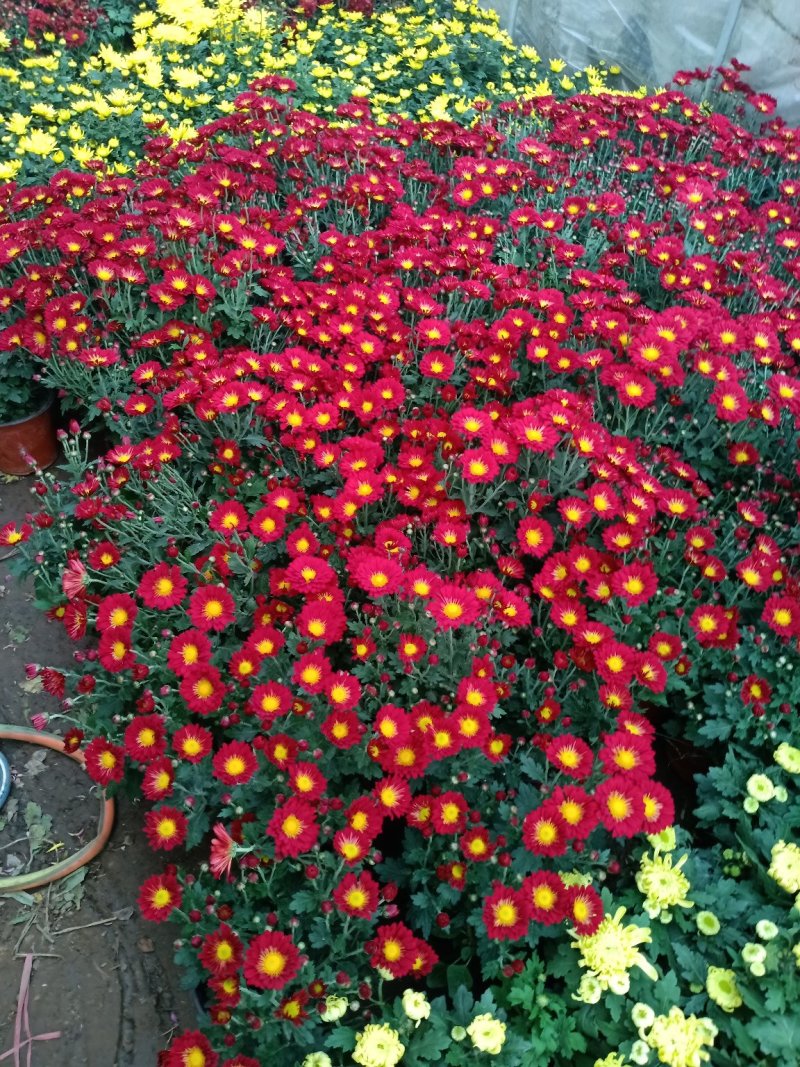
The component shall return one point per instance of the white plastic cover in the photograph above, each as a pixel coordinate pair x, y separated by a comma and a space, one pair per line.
651, 39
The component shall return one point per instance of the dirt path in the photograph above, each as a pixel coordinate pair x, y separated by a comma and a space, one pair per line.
111, 989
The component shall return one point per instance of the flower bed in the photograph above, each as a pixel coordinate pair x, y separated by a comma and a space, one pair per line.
429, 60
453, 495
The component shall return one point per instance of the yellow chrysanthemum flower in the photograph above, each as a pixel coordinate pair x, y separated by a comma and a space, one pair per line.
378, 1045
681, 1040
785, 866
612, 951
9, 169
18, 124
663, 885
37, 143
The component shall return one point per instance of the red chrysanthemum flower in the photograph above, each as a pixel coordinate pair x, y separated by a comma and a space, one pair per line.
11, 534
221, 953
505, 914
270, 700
310, 575
158, 778
321, 621
635, 583
191, 1049
102, 555
443, 739
577, 809
203, 689
192, 743
584, 909
393, 796
424, 959
145, 738
159, 895
454, 873
228, 993
228, 519
782, 615
165, 828
293, 828
392, 949
408, 758
235, 763
392, 723
635, 724
268, 524
266, 641
212, 608
535, 537
306, 780
755, 690
614, 662
479, 694
649, 671
478, 465
545, 896
619, 804
115, 652
343, 690
497, 746
188, 650
452, 606
566, 614
710, 624
293, 1009
311, 671
411, 648
658, 807
351, 846
342, 728
272, 960
476, 845
472, 727
544, 832
622, 753
244, 665
665, 646
365, 816
163, 587
280, 750
116, 612
357, 895
571, 755
105, 761
438, 364
449, 813
377, 575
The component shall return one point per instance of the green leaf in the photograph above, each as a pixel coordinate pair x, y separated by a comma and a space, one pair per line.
426, 1044
458, 976
462, 1005
342, 1037
691, 967
778, 1036
303, 901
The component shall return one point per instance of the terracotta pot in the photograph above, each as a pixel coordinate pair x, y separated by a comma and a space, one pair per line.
33, 435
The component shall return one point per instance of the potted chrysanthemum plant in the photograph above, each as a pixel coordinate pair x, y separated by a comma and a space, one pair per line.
27, 430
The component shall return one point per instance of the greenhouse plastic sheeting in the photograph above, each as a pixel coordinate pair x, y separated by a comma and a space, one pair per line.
651, 39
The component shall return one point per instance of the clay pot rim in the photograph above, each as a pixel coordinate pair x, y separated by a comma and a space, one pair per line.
47, 403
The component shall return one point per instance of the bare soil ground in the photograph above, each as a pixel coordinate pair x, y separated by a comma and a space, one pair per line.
101, 975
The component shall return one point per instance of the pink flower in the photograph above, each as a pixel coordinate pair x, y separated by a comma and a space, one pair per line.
223, 850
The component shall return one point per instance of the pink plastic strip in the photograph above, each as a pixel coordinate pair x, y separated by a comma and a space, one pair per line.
22, 1021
